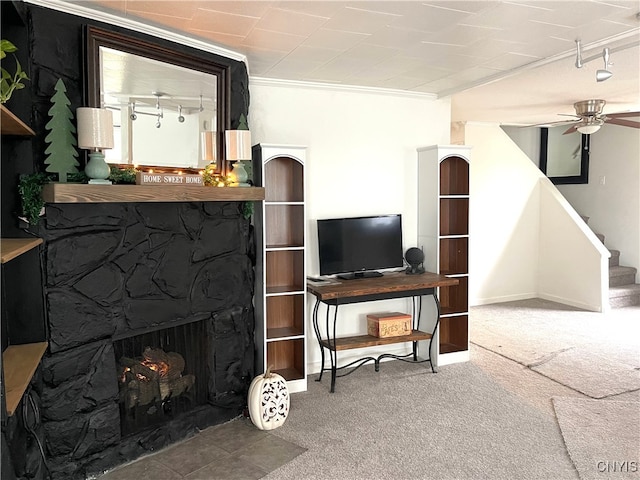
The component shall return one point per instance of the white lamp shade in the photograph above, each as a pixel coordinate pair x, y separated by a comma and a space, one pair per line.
237, 145
588, 129
208, 139
95, 128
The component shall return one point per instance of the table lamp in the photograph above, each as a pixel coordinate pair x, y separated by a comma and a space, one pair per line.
208, 144
95, 132
238, 148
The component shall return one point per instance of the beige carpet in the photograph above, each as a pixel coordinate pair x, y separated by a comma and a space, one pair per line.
592, 353
601, 436
590, 373
405, 422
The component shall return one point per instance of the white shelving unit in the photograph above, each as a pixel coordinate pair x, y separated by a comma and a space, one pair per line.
281, 258
443, 231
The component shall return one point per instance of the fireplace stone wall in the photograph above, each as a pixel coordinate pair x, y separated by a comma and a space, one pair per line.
121, 269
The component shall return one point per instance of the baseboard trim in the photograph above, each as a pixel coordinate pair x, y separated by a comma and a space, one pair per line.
502, 299
574, 303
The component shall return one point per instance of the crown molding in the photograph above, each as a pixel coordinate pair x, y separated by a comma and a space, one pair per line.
79, 10
339, 87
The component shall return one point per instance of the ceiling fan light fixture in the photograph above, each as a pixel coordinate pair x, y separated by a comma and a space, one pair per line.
588, 129
589, 126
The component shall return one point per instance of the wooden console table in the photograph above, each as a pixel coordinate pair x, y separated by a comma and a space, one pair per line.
389, 286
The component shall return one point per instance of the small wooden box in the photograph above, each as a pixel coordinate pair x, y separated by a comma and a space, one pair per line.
392, 324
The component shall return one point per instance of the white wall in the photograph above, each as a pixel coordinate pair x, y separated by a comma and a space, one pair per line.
525, 239
573, 263
613, 208
361, 160
503, 218
528, 139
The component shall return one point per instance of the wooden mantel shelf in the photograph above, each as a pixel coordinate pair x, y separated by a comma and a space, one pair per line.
84, 193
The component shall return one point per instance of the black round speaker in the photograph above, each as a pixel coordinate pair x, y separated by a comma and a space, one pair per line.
414, 257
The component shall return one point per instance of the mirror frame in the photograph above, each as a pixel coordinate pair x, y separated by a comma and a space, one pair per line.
97, 37
582, 177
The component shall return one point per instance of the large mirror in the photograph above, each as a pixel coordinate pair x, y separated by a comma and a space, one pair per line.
564, 158
170, 108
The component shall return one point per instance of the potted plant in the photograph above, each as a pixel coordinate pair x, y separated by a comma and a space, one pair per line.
10, 83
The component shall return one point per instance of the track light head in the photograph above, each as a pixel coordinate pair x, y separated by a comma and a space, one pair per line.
603, 74
578, 54
180, 116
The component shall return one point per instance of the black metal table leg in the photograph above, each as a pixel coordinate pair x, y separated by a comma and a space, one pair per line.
333, 348
435, 330
318, 337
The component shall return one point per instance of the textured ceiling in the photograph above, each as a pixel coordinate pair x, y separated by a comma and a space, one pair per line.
507, 62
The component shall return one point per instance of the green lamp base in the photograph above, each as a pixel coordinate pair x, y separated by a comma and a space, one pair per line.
239, 175
97, 169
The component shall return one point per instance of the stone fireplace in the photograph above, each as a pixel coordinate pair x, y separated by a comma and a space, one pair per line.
151, 327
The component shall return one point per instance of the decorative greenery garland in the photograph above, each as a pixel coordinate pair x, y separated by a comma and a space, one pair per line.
30, 189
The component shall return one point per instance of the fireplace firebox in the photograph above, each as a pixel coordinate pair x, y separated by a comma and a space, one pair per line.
161, 374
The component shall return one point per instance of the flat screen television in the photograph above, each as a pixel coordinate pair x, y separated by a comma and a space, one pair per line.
359, 247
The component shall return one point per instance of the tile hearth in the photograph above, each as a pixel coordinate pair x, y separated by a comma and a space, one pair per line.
233, 450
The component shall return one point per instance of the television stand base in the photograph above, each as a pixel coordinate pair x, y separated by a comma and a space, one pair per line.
357, 275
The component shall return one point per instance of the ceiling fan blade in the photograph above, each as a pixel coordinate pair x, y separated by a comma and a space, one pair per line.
553, 124
571, 129
622, 114
624, 123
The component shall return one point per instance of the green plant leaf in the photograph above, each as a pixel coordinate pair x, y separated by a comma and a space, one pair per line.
10, 83
7, 46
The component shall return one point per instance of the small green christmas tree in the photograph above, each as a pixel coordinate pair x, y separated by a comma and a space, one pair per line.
242, 123
61, 152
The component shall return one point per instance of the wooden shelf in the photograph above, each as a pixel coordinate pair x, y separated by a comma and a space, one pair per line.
14, 247
284, 332
12, 125
454, 256
20, 363
361, 341
290, 374
284, 289
283, 180
455, 299
454, 176
287, 358
454, 216
84, 193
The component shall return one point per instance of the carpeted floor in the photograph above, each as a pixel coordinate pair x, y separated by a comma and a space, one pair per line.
602, 436
492, 417
408, 423
592, 353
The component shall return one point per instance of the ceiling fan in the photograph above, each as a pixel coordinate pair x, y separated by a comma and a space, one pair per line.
589, 118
